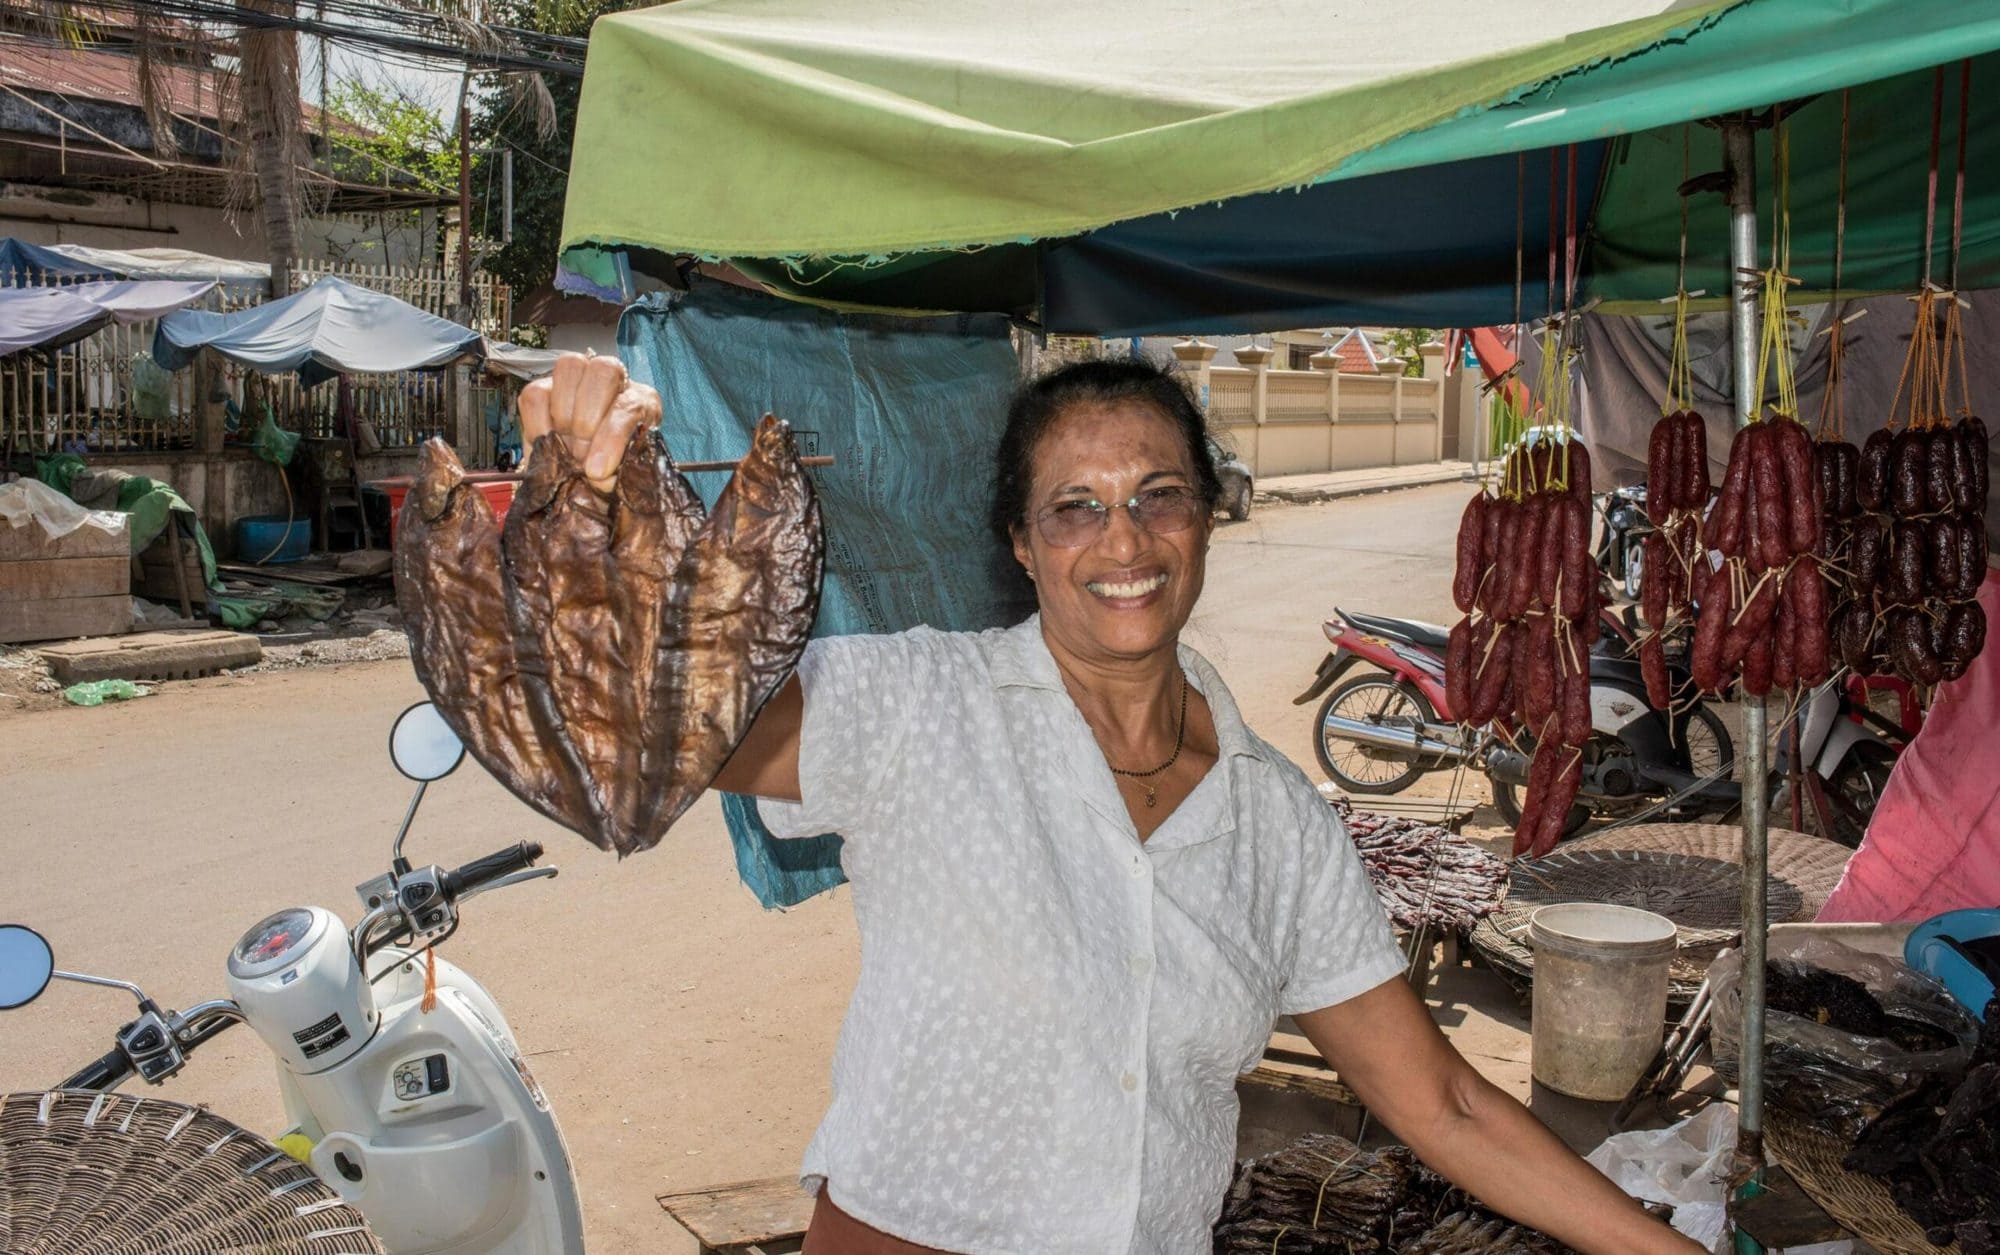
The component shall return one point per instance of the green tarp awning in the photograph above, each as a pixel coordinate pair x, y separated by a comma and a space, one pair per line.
882, 154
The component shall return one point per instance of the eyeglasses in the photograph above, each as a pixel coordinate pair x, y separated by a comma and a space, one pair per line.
1073, 524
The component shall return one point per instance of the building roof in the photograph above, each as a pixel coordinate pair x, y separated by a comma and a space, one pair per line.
1359, 354
111, 152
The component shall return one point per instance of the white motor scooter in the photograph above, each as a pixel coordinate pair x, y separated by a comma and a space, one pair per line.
399, 1072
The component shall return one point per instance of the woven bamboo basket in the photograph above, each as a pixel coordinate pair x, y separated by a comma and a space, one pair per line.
1859, 1202
1690, 873
108, 1174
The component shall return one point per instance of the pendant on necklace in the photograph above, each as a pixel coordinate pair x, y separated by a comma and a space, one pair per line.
1150, 799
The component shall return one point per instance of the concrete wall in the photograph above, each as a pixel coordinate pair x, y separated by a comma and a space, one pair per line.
1303, 422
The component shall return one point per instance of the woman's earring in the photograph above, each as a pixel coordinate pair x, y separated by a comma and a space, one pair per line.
1029, 571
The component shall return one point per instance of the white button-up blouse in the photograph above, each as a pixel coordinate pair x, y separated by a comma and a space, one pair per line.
1041, 1052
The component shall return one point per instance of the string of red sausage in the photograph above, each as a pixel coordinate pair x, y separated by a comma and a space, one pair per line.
1677, 490
1914, 552
1521, 655
1763, 615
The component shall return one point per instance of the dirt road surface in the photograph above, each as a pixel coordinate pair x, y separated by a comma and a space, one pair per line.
683, 1033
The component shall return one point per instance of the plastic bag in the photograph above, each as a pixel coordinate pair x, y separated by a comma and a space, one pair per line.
29, 500
274, 444
1686, 1166
1832, 1079
98, 692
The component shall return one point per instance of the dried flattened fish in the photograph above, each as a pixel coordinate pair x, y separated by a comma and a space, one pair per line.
741, 609
449, 590
604, 656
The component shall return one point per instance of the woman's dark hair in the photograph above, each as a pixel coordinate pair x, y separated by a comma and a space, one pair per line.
1041, 401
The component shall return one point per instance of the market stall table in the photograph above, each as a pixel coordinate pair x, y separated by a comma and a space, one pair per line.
1690, 873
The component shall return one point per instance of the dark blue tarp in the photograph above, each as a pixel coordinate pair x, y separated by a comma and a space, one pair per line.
1433, 247
30, 265
910, 409
329, 329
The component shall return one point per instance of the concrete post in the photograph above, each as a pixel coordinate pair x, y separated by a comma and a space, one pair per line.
1195, 357
1433, 358
1328, 361
1259, 362
1433, 355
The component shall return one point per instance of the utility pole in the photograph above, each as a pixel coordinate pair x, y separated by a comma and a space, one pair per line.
464, 203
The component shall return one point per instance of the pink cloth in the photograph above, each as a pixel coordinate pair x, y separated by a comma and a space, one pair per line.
1934, 844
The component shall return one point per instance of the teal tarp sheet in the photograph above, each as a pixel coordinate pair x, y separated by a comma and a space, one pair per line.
910, 410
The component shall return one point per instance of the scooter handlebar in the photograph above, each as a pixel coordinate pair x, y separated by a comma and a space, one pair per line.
482, 871
103, 1074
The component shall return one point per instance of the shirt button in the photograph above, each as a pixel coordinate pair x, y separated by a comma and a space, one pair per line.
1141, 965
1129, 1083
1138, 866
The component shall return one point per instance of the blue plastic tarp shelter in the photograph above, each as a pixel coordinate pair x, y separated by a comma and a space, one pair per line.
50, 317
331, 328
29, 265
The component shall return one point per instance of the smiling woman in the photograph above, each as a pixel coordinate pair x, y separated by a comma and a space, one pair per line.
1085, 890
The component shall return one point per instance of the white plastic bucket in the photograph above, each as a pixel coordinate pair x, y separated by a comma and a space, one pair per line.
1600, 999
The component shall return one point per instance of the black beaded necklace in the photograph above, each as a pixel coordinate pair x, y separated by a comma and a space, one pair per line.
1180, 739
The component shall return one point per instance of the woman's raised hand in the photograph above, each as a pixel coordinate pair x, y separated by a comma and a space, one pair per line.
591, 404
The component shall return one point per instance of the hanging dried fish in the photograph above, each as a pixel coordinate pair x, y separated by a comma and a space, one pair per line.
604, 656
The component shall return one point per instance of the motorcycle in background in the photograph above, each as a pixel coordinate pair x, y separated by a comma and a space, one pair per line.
397, 1068
1382, 728
1621, 545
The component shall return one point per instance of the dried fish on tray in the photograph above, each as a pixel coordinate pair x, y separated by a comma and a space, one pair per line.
1422, 873
603, 657
1323, 1195
1480, 1233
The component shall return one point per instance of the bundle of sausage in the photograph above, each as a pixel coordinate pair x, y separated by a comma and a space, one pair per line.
1915, 559
1529, 591
1763, 616
603, 657
1677, 491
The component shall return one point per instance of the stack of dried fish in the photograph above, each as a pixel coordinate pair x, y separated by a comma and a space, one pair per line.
1938, 1149
604, 656
1480, 1233
1423, 874
1323, 1195
1438, 1218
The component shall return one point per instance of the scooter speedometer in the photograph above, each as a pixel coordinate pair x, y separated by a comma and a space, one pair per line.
272, 941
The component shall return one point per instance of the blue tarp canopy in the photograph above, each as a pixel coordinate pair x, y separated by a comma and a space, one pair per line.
24, 265
332, 328
50, 317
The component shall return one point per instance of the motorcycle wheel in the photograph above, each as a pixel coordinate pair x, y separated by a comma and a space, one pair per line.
1851, 796
1635, 569
1704, 741
1507, 800
1239, 503
1373, 698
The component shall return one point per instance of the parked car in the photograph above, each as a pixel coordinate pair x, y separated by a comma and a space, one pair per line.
1236, 483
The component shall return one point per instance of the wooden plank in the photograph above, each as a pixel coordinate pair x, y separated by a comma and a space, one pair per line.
61, 617
43, 579
1322, 1085
742, 1214
29, 543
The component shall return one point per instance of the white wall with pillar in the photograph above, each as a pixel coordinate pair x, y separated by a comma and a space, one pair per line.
1303, 422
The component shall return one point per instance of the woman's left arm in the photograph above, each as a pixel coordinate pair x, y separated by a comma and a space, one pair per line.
1387, 1049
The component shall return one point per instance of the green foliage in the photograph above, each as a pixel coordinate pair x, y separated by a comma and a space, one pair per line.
403, 138
1404, 343
541, 166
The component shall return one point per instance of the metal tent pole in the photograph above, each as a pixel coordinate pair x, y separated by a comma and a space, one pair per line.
1739, 168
